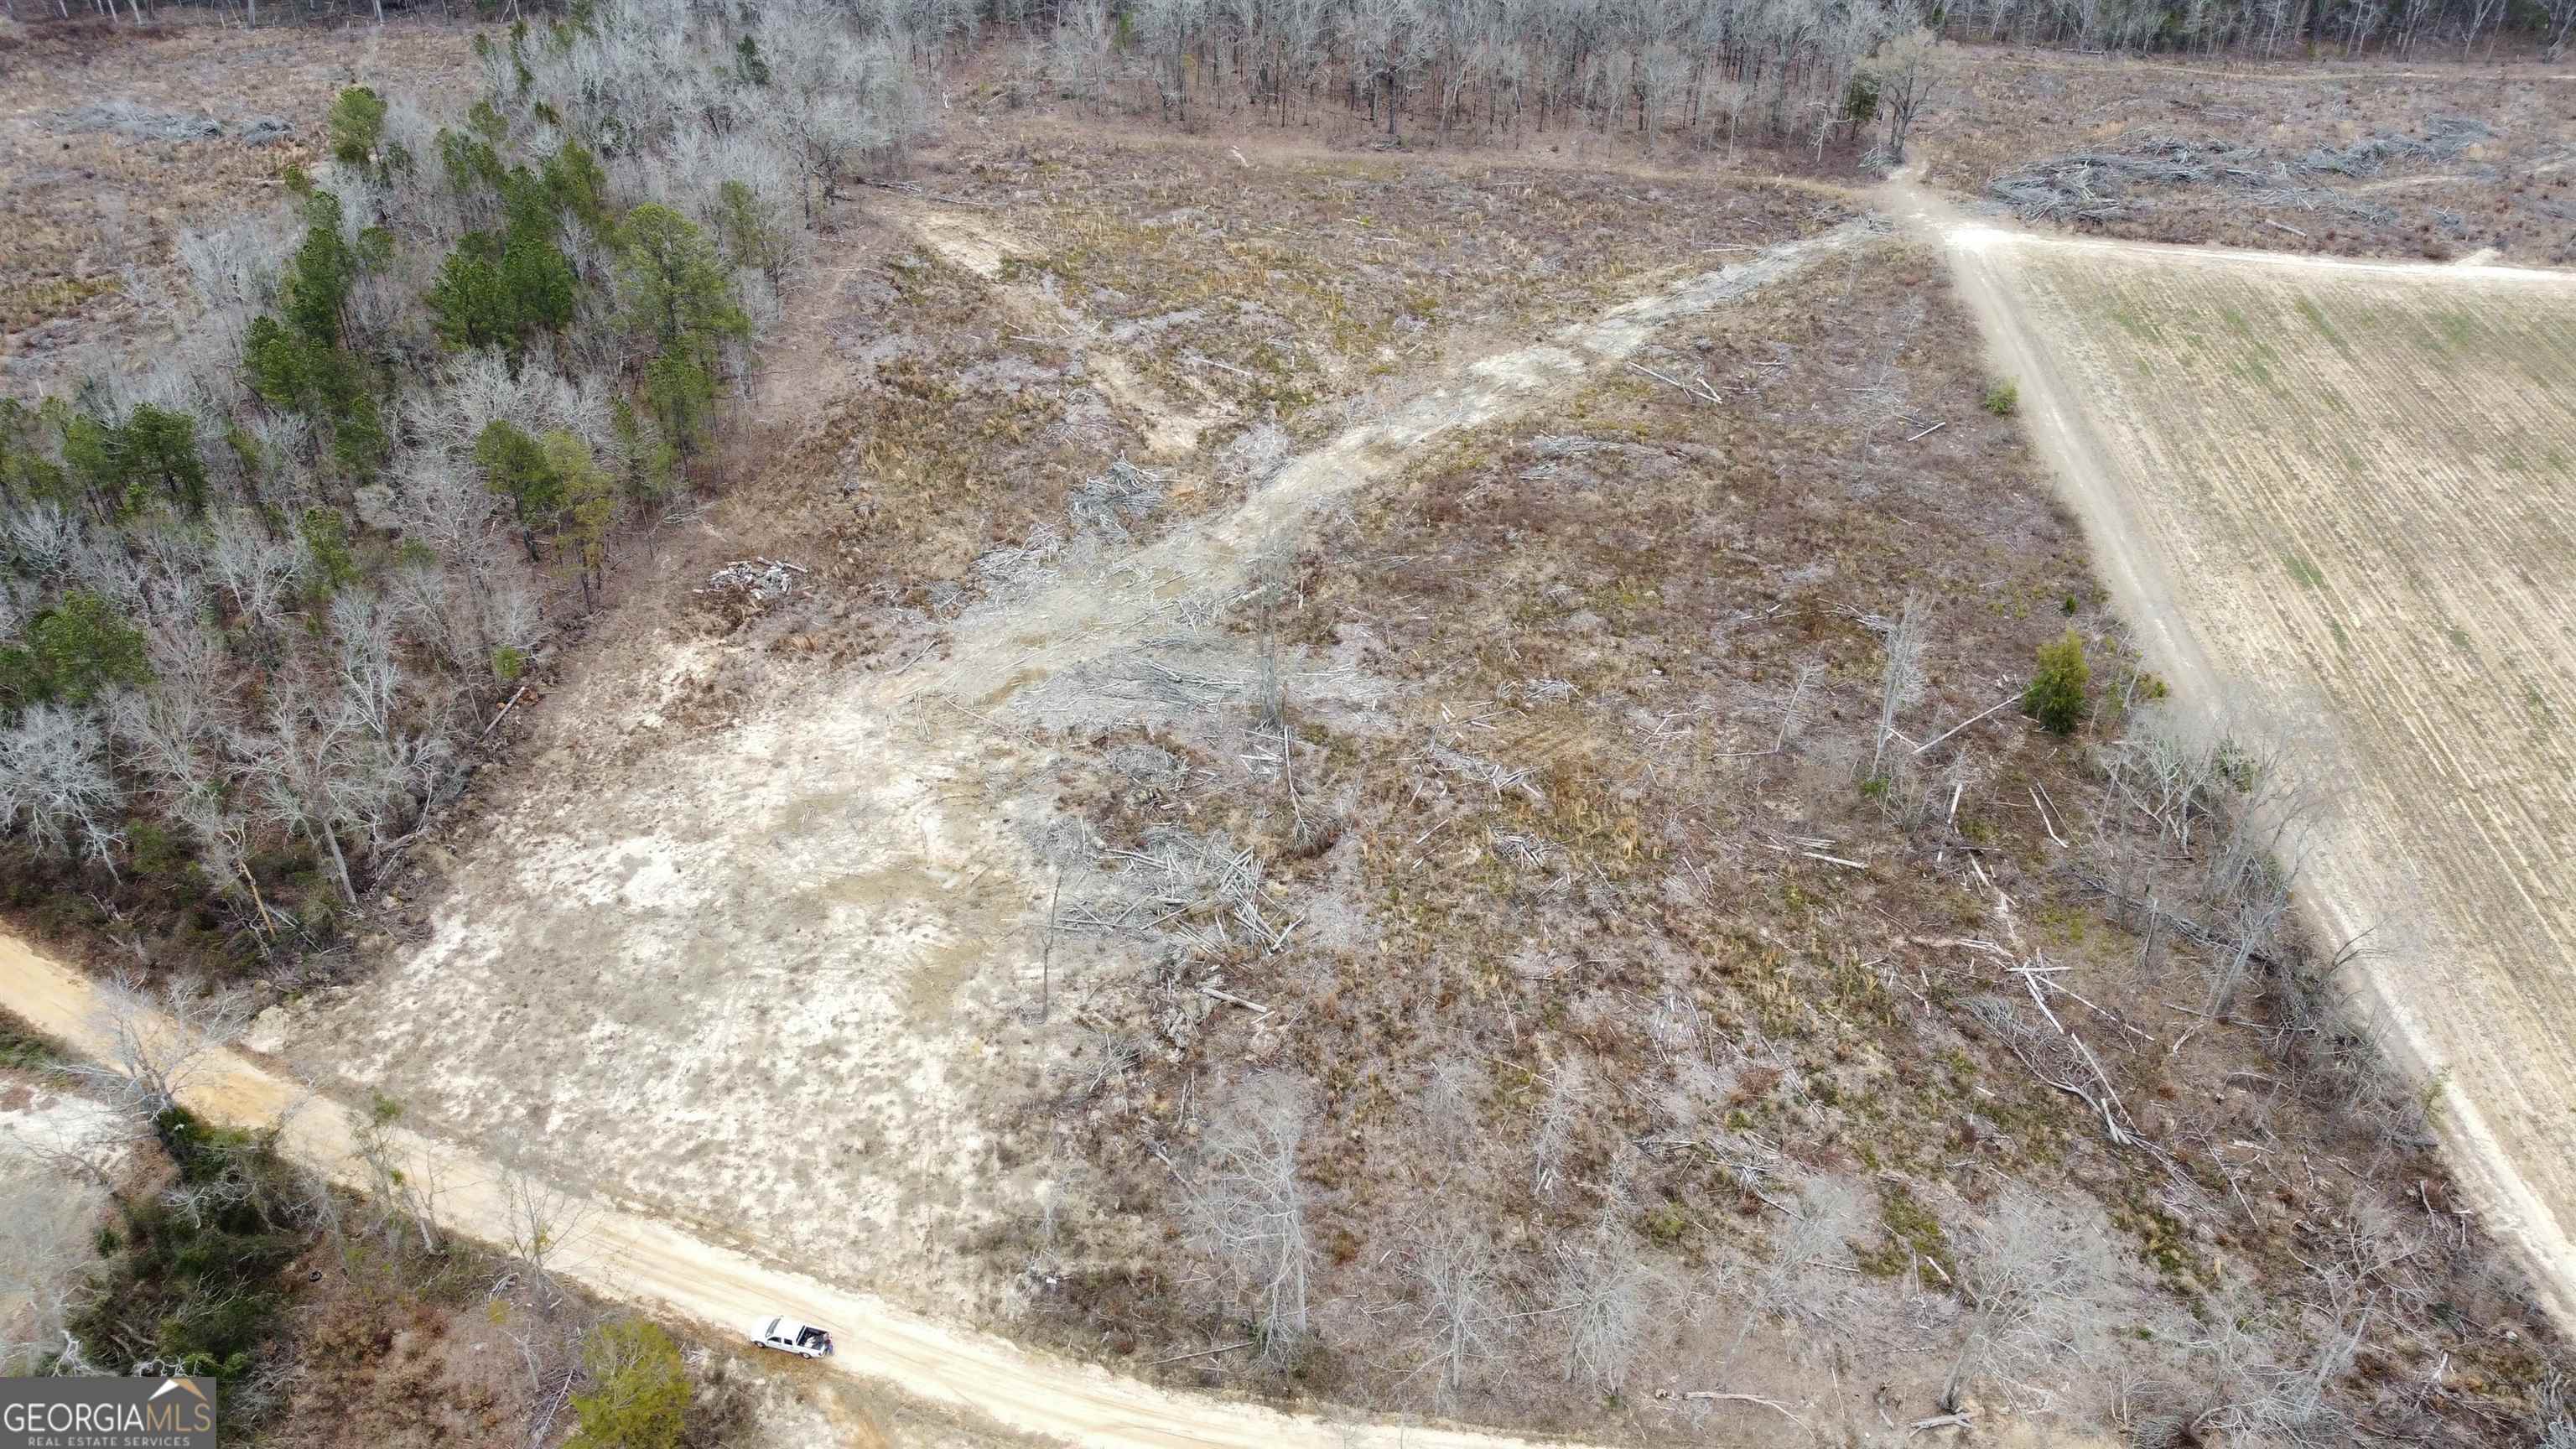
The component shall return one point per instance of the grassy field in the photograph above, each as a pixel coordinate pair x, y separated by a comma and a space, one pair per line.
2360, 473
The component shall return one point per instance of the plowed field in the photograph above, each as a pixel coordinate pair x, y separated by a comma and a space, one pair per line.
2354, 481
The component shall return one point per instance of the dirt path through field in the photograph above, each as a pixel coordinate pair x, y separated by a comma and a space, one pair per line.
1021, 640
2505, 1096
669, 953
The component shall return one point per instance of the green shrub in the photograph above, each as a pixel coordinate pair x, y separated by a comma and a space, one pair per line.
22, 1046
74, 651
197, 1286
1666, 1223
639, 1396
2003, 398
1914, 1236
2056, 694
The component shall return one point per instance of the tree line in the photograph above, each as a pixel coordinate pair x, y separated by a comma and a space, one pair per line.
1703, 74
259, 595
1700, 73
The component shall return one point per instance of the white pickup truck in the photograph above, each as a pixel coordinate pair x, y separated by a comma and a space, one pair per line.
789, 1336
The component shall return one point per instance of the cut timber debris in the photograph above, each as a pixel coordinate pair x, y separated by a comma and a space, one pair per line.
1697, 387
759, 580
1251, 1006
496, 719
1713, 1396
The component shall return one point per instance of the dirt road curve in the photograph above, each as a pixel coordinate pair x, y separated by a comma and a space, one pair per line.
2444, 987
637, 1260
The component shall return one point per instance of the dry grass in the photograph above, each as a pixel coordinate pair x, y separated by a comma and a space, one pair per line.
1258, 280
940, 437
961, 370
1585, 957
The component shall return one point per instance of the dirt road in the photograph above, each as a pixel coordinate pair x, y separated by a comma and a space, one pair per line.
2446, 988
635, 1259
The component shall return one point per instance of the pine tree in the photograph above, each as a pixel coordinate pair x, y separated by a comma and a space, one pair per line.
2056, 694
639, 1394
675, 287
588, 510
514, 465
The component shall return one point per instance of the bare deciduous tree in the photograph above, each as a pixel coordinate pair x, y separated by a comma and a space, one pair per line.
1558, 1115
542, 1219
1250, 1204
55, 783
1462, 1311
1801, 1277
2259, 1396
42, 536
402, 1185
362, 630
256, 568
1903, 70
1794, 707
320, 775
1607, 1295
2025, 1287
155, 1043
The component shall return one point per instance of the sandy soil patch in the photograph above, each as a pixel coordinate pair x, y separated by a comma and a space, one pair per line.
755, 991
960, 1387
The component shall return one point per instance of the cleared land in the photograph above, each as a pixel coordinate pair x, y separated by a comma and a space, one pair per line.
2416, 159
1470, 761
739, 895
971, 1389
2358, 471
1477, 756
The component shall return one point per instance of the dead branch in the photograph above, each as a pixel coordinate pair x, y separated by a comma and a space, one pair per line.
1713, 1396
1201, 1353
487, 729
1697, 387
1972, 719
1227, 996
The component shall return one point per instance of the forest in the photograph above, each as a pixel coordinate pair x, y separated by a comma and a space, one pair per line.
263, 591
